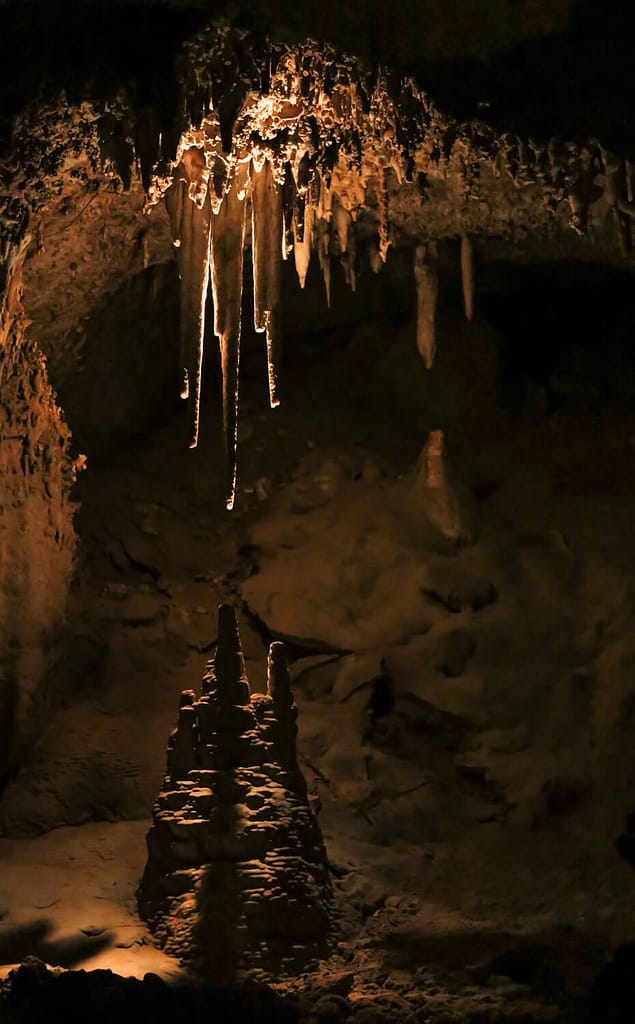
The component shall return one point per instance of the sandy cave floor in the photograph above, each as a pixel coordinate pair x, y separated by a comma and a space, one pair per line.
469, 754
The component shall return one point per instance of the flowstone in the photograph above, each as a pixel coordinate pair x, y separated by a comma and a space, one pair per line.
237, 878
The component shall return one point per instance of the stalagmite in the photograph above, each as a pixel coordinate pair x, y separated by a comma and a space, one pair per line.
427, 282
467, 276
267, 243
446, 503
237, 877
193, 233
227, 674
228, 237
278, 682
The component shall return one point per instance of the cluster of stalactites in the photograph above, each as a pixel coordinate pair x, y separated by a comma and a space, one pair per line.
299, 158
301, 141
210, 202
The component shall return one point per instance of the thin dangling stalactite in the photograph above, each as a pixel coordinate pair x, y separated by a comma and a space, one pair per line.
193, 262
427, 282
228, 239
467, 275
267, 242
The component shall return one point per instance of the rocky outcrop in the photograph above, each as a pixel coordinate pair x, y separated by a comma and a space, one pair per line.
37, 539
236, 880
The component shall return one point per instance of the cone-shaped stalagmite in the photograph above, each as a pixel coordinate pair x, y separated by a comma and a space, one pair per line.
236, 877
267, 241
228, 238
427, 282
228, 667
447, 504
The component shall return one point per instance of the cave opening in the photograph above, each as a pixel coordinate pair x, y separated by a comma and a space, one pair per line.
436, 522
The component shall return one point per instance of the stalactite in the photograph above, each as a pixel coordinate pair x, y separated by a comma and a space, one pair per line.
427, 282
323, 245
174, 203
329, 142
194, 261
228, 239
324, 214
302, 246
375, 260
467, 275
346, 241
267, 243
384, 229
288, 205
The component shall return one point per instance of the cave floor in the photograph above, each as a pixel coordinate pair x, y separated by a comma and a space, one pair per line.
464, 710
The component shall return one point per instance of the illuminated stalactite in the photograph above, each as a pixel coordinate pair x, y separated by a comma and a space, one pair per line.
193, 234
228, 239
267, 243
427, 282
303, 243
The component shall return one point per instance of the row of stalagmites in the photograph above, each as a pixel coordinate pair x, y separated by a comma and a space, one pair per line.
237, 878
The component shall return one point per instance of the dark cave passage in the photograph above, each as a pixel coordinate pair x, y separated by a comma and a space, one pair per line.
412, 807
566, 329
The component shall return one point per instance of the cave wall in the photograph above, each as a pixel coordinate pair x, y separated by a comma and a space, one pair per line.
37, 539
71, 191
101, 292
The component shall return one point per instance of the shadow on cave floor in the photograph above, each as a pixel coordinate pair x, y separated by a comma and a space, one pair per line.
105, 998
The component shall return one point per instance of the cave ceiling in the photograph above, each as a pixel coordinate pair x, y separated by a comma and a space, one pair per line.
262, 131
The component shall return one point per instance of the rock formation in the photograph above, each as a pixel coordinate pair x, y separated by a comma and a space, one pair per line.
447, 504
236, 879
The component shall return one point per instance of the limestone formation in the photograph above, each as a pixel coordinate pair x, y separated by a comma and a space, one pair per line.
448, 504
236, 879
427, 282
